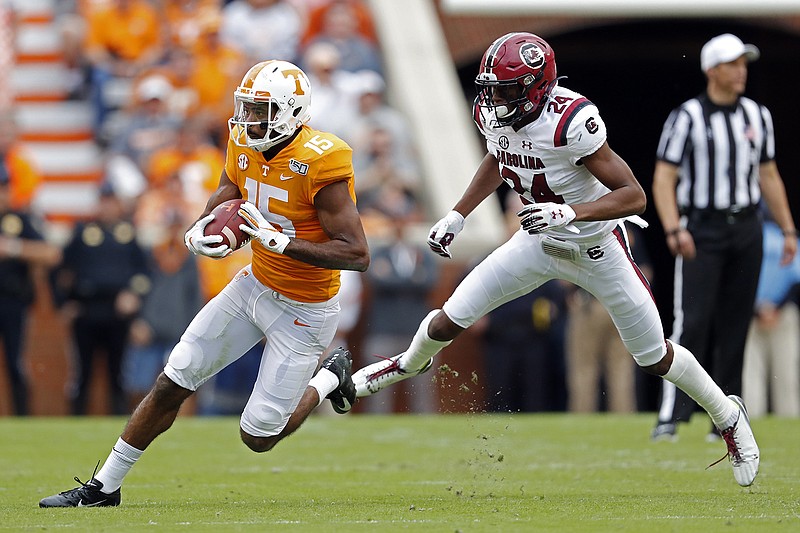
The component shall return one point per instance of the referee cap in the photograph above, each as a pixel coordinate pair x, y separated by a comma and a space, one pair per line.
724, 48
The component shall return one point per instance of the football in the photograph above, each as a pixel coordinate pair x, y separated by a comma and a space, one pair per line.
226, 223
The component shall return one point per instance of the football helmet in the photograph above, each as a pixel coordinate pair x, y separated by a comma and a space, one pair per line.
517, 74
273, 98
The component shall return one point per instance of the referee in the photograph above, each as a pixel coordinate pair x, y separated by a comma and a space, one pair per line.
715, 161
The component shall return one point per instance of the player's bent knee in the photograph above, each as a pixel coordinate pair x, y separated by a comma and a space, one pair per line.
257, 444
262, 423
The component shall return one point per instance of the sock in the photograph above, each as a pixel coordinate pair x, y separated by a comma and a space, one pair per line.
120, 461
422, 347
687, 374
325, 382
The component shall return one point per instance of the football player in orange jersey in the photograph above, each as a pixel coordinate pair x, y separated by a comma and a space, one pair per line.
301, 213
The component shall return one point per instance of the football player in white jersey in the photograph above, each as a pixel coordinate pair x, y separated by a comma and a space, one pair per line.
549, 144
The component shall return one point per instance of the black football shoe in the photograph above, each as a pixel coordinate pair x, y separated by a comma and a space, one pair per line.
89, 494
340, 362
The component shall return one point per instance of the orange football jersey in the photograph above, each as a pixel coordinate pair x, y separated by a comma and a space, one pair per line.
283, 189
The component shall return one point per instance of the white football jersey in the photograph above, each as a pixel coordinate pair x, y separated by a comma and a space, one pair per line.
542, 161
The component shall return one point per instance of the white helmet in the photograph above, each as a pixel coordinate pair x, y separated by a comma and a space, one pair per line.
275, 95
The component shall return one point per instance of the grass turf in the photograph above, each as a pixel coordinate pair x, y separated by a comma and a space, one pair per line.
469, 473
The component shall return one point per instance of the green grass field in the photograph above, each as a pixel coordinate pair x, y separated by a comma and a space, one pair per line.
467, 473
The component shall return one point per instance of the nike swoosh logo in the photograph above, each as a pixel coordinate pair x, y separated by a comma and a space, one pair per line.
284, 178
298, 323
95, 504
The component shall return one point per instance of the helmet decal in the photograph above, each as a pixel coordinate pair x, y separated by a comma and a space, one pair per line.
531, 55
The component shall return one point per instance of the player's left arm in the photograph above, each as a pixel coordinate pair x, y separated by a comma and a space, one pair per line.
626, 197
347, 248
774, 192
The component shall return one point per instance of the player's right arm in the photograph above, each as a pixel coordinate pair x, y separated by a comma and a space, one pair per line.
485, 181
196, 241
226, 190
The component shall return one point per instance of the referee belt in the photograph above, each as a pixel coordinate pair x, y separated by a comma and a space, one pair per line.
728, 216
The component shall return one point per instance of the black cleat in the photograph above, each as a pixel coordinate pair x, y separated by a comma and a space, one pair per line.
344, 396
87, 495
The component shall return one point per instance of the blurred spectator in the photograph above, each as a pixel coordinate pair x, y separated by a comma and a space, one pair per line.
374, 112
123, 38
334, 107
178, 69
771, 372
22, 249
262, 29
317, 15
18, 169
379, 166
525, 341
185, 20
218, 68
597, 361
167, 309
399, 279
340, 28
193, 159
101, 281
351, 296
144, 128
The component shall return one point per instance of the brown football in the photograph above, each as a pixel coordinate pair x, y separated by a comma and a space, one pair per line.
226, 223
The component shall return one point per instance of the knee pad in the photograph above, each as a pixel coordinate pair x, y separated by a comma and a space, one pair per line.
263, 420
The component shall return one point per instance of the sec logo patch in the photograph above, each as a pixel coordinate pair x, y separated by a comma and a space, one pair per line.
243, 162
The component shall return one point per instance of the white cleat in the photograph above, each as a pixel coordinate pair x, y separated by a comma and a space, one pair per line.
380, 375
742, 448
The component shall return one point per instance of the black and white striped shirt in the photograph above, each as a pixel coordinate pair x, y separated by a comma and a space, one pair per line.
718, 150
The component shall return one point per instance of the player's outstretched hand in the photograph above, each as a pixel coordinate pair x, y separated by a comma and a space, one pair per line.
201, 244
443, 232
538, 218
260, 229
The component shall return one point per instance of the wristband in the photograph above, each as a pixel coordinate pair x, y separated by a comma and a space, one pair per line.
673, 232
789, 232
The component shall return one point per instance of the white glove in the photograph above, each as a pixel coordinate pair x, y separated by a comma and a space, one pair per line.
260, 229
198, 243
443, 232
538, 218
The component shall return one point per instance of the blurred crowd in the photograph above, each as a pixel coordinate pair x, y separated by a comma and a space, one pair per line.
159, 75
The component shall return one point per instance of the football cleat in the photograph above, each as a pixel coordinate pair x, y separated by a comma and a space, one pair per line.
89, 494
664, 431
341, 364
742, 448
380, 375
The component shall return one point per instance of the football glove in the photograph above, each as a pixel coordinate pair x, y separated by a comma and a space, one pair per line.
198, 243
444, 232
538, 218
260, 229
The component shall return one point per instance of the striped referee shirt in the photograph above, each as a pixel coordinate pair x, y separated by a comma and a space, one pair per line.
718, 150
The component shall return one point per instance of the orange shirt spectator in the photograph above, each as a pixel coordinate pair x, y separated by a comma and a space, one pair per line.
17, 164
317, 15
186, 18
218, 68
124, 35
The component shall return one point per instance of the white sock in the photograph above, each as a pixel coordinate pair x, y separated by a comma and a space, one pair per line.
687, 374
120, 461
325, 382
422, 347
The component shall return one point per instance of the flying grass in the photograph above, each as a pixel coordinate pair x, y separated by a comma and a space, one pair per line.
467, 473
